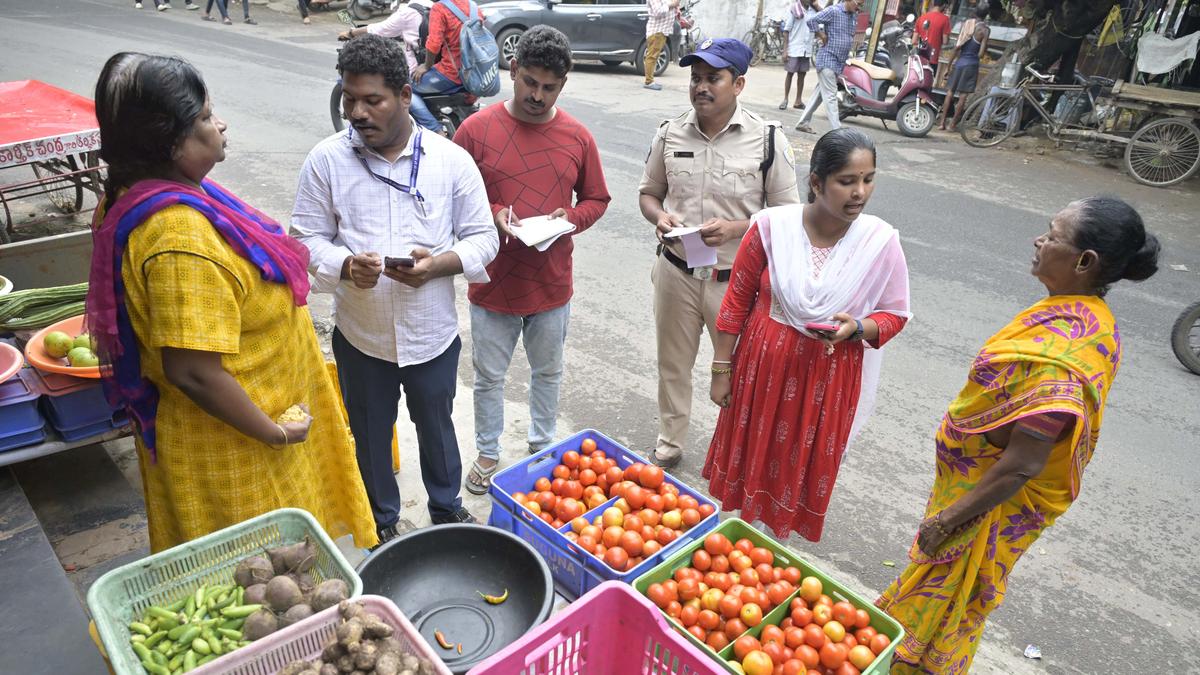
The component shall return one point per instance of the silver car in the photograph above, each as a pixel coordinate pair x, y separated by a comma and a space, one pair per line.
610, 31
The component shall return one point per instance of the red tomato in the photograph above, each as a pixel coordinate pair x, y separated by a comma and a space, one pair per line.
730, 606
674, 608
633, 471
861, 618
613, 475
766, 573
587, 543
632, 523
717, 544
761, 556
717, 640
879, 643
843, 613
791, 575
665, 536
744, 545
778, 594
688, 589
568, 509
865, 635
655, 502
701, 560
744, 645
691, 517
573, 489
706, 510
658, 595
697, 632
808, 656
636, 496
708, 619
670, 500
632, 542
797, 602
850, 641
771, 634
651, 477
846, 668
794, 667
861, 656
585, 462
825, 600
617, 558
588, 445
650, 548
822, 614
792, 637
561, 471
689, 616
833, 655
649, 516
811, 589
814, 637
750, 578
587, 477
720, 563
757, 662
734, 628
542, 484
775, 651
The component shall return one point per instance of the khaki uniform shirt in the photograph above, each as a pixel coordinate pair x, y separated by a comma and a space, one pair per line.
699, 178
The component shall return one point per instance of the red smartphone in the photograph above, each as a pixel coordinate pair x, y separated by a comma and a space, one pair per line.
818, 327
398, 262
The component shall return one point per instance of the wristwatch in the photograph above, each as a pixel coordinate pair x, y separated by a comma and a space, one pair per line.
858, 330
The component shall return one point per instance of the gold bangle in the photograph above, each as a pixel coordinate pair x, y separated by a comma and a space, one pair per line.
722, 371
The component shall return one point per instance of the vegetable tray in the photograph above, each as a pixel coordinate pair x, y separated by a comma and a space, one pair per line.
124, 593
735, 529
611, 629
305, 640
575, 570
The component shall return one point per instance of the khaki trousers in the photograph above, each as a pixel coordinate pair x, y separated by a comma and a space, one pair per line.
683, 307
654, 47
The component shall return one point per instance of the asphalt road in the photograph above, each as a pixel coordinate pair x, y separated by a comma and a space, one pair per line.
1111, 588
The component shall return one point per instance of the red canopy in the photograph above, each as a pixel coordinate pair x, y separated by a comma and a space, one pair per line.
38, 120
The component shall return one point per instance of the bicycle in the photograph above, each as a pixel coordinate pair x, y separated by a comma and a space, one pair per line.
1162, 143
766, 43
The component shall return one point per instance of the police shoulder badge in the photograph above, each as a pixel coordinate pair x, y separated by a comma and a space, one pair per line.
706, 44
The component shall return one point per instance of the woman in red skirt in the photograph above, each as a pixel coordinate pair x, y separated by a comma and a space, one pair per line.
793, 395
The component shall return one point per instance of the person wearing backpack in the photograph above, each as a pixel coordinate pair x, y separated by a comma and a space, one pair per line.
711, 167
409, 24
460, 56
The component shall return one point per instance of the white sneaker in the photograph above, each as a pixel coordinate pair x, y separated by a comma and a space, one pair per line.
164, 7
137, 5
191, 5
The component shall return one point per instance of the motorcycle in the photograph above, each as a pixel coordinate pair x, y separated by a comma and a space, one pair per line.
687, 23
868, 90
1185, 338
450, 109
362, 10
889, 49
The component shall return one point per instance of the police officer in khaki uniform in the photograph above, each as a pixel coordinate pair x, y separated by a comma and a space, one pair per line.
712, 167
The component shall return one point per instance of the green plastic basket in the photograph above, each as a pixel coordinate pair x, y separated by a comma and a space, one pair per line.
734, 529
124, 593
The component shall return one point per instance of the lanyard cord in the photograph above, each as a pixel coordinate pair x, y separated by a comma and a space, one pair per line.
411, 188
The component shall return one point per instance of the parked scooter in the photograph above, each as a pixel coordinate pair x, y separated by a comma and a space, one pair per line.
691, 37
362, 10
890, 48
870, 91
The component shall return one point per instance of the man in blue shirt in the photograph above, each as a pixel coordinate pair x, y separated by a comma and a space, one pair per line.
835, 26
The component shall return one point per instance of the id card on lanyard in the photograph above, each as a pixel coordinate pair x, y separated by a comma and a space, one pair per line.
411, 188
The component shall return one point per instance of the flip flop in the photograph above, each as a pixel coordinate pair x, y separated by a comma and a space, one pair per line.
798, 106
479, 479
208, 18
227, 21
783, 106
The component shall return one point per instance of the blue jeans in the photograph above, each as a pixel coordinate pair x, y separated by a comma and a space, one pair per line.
432, 83
494, 337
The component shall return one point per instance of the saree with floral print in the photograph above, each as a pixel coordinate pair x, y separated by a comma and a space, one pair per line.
1059, 356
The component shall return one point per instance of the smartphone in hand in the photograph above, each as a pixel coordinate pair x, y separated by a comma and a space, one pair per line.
818, 327
393, 263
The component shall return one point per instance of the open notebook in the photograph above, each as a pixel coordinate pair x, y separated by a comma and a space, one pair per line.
541, 231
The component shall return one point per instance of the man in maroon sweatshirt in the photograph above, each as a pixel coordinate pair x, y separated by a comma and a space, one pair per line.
536, 160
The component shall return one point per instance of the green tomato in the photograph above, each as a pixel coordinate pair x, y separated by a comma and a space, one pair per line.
82, 357
58, 344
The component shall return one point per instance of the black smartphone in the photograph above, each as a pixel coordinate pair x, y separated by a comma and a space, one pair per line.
397, 262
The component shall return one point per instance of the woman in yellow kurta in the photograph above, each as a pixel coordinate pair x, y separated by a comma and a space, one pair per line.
1012, 447
197, 304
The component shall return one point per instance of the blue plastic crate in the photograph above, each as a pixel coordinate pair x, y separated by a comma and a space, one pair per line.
576, 571
18, 407
81, 408
21, 439
114, 420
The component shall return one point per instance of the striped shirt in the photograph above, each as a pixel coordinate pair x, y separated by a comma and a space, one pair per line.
839, 28
342, 210
662, 17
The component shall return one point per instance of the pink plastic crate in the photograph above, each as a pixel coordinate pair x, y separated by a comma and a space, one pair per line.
306, 639
611, 629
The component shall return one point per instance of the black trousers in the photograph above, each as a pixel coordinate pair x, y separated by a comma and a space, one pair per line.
371, 390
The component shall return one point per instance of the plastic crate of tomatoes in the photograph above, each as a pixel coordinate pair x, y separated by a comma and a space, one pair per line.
597, 512
755, 606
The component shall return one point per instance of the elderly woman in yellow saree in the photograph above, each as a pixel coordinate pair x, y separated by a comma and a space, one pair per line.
1012, 447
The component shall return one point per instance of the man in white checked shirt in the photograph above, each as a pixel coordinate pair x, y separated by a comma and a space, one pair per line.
386, 188
659, 24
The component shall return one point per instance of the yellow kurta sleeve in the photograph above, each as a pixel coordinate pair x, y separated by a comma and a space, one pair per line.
195, 303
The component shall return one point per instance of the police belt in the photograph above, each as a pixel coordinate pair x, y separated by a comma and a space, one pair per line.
716, 275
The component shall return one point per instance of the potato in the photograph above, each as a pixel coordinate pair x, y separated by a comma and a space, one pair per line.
328, 594
283, 593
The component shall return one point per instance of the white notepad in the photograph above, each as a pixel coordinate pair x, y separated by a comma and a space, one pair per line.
541, 231
697, 253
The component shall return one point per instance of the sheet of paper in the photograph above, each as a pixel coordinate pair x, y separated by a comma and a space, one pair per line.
542, 229
696, 252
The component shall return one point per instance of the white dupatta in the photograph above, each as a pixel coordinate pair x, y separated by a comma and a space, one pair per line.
865, 273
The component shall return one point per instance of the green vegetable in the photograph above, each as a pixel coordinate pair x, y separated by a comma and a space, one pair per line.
240, 611
215, 645
22, 303
189, 661
139, 627
201, 647
143, 653
229, 633
176, 662
156, 638
159, 658
205, 659
189, 608
233, 624
155, 669
162, 614
190, 633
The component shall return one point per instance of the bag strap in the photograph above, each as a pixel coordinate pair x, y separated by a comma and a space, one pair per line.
768, 154
456, 11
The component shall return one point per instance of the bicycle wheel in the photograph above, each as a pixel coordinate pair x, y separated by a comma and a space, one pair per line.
1163, 152
65, 193
990, 120
756, 41
335, 107
1185, 338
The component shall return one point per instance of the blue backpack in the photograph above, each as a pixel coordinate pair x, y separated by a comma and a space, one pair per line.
480, 67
